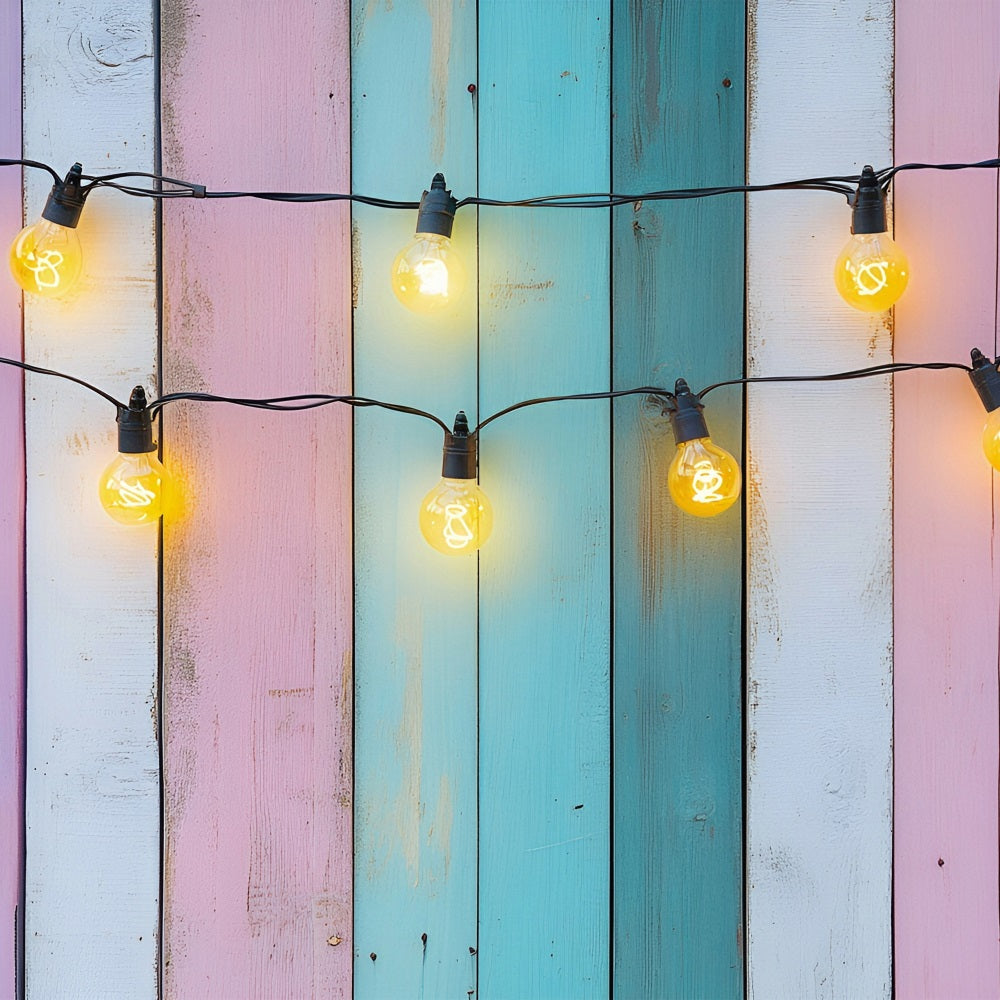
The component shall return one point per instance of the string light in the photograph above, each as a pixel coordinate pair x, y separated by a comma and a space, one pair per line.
986, 379
871, 272
132, 488
703, 478
428, 276
456, 516
46, 258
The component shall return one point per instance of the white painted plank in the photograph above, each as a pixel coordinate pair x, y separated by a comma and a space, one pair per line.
92, 797
819, 637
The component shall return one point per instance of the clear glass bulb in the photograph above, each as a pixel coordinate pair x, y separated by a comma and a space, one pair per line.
991, 438
132, 488
46, 258
427, 275
456, 517
703, 478
871, 272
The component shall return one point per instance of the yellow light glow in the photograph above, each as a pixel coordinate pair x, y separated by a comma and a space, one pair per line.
991, 438
456, 517
871, 272
46, 259
132, 488
703, 478
427, 275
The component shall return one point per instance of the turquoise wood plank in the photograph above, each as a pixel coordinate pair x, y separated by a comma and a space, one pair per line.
545, 616
678, 311
415, 611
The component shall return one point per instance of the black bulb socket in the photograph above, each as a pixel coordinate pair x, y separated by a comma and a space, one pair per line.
65, 202
461, 451
135, 425
868, 215
986, 379
685, 412
437, 209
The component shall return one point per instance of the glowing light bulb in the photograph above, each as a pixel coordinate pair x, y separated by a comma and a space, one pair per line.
986, 378
133, 486
46, 258
456, 516
428, 276
703, 478
871, 272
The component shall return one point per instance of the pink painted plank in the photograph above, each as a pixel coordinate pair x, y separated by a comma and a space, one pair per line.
11, 516
258, 576
946, 581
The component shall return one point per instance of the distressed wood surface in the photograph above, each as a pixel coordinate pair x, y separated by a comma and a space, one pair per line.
257, 578
947, 589
819, 612
678, 113
415, 611
92, 797
544, 859
11, 522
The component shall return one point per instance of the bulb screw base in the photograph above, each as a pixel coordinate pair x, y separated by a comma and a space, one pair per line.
685, 413
461, 451
868, 214
985, 377
437, 209
135, 425
66, 199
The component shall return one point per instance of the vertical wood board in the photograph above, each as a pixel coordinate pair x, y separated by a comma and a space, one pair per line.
257, 576
678, 121
415, 610
544, 704
11, 524
947, 590
819, 614
92, 799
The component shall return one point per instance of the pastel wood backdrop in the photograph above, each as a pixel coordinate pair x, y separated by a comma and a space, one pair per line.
358, 768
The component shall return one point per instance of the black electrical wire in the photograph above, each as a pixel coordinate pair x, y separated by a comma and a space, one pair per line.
69, 378
645, 390
843, 184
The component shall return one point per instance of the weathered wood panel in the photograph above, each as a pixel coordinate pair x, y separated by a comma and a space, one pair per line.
544, 704
415, 612
92, 800
819, 612
678, 114
947, 591
11, 521
257, 579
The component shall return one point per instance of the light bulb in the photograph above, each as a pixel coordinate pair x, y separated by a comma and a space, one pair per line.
133, 486
871, 272
46, 258
703, 478
428, 276
456, 516
986, 378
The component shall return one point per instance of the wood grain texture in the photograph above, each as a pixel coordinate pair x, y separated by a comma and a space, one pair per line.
544, 702
819, 613
678, 114
92, 798
947, 589
415, 610
257, 579
11, 524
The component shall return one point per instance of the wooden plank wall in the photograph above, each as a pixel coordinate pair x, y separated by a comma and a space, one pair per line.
544, 708
11, 523
945, 557
415, 614
257, 578
92, 798
819, 602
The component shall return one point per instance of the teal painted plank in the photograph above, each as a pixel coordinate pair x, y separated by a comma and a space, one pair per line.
678, 311
415, 610
545, 588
